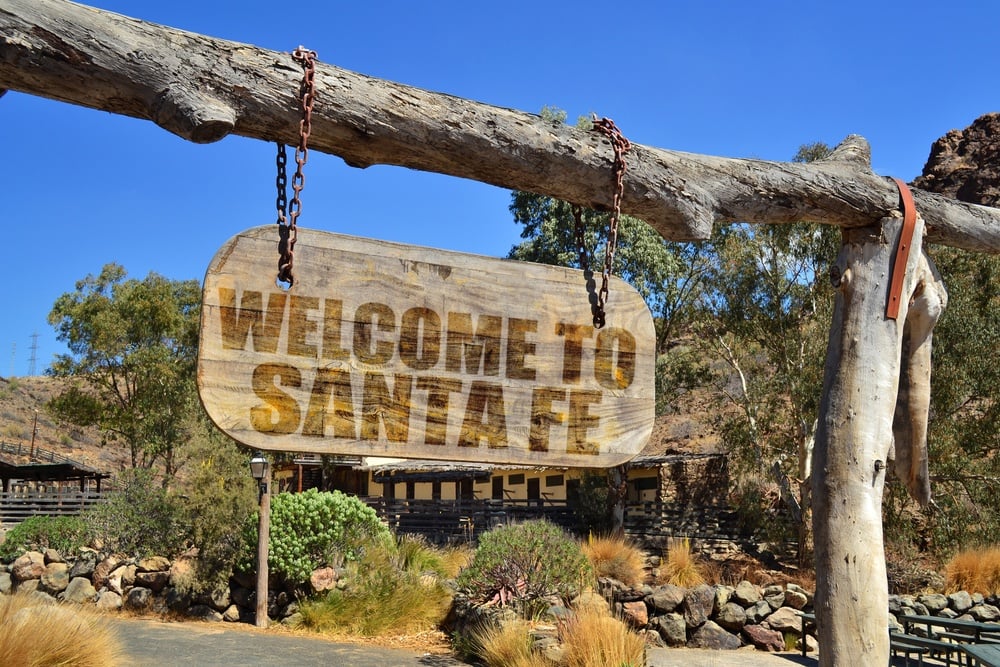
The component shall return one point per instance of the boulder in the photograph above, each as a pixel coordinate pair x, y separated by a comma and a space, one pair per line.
86, 561
139, 599
934, 602
746, 594
203, 612
55, 579
985, 613
671, 627
665, 599
323, 579
795, 599
635, 614
711, 636
53, 556
731, 616
774, 596
758, 612
103, 570
153, 564
156, 580
109, 600
698, 603
6, 585
231, 614
79, 591
218, 598
763, 639
960, 601
785, 619
31, 565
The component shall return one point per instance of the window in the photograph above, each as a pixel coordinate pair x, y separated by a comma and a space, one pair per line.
515, 480
554, 480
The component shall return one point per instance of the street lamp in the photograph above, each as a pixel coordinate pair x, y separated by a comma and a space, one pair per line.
260, 470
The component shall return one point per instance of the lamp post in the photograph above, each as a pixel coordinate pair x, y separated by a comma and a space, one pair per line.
260, 469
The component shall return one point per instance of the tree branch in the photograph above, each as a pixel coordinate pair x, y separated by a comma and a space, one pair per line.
202, 89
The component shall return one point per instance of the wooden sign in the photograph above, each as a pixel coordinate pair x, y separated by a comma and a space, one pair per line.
382, 349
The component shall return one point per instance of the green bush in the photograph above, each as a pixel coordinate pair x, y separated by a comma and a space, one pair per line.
393, 589
313, 529
139, 518
524, 563
65, 534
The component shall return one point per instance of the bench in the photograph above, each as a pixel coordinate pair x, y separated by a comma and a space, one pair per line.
898, 647
935, 647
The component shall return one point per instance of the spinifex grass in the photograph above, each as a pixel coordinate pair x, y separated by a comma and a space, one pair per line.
34, 633
616, 557
680, 567
593, 639
975, 571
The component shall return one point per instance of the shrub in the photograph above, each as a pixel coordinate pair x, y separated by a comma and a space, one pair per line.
34, 633
390, 592
975, 571
313, 529
616, 557
65, 534
524, 563
593, 639
138, 519
680, 567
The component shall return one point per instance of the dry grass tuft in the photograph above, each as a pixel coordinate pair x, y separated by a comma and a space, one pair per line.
592, 639
616, 557
35, 633
679, 566
975, 571
505, 645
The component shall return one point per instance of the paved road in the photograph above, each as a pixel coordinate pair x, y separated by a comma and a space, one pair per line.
160, 644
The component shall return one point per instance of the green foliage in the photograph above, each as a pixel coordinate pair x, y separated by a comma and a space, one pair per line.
65, 534
524, 563
591, 502
312, 529
216, 497
390, 591
132, 347
139, 518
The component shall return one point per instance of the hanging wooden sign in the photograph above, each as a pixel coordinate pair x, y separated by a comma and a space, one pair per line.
382, 349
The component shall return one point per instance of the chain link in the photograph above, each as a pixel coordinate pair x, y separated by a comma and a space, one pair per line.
621, 145
287, 233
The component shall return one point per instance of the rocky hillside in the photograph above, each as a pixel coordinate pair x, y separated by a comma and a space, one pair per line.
21, 399
965, 164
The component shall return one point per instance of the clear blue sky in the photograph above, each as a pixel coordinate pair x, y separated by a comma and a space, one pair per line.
745, 79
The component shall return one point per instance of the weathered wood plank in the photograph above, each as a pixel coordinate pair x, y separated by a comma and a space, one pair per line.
381, 349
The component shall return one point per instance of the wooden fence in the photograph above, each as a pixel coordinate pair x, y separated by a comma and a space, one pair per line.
16, 506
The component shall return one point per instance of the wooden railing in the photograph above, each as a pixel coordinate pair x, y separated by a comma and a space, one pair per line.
38, 454
443, 521
16, 506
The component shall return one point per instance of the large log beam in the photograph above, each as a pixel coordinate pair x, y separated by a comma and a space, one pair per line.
202, 89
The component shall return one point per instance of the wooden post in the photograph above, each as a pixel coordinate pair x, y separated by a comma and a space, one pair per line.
263, 539
854, 441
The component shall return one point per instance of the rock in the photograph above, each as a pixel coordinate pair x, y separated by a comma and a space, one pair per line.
156, 580
671, 627
785, 619
128, 575
795, 599
103, 570
711, 636
203, 612
55, 579
177, 600
232, 614
6, 585
139, 599
243, 597
153, 564
698, 603
947, 613
934, 602
635, 614
812, 646
665, 599
114, 582
27, 586
774, 596
985, 613
31, 565
53, 556
731, 616
85, 563
758, 612
218, 598
109, 600
652, 638
79, 591
746, 594
960, 601
722, 595
323, 579
588, 599
764, 639
963, 164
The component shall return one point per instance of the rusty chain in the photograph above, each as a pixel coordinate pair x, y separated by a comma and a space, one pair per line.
289, 212
621, 145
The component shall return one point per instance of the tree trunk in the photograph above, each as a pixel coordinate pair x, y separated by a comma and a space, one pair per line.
854, 441
202, 89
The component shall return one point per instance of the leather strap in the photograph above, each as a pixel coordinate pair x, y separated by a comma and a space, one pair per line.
902, 250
